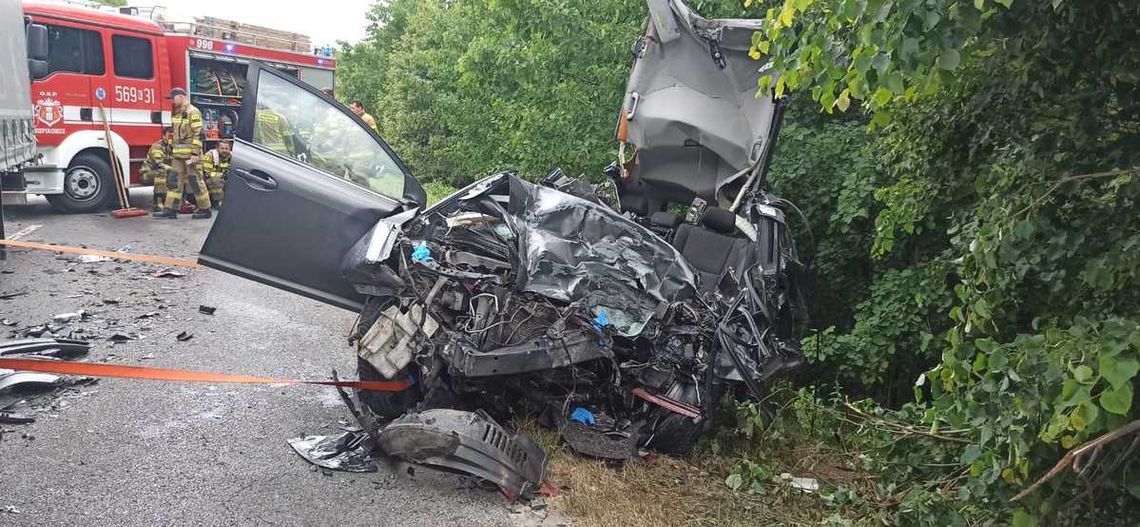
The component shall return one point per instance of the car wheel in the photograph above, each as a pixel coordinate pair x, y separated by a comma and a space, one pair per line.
675, 435
88, 185
386, 405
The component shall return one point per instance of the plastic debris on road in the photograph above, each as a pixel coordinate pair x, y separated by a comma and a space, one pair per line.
347, 452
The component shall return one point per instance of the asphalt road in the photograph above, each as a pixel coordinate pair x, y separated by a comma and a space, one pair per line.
128, 452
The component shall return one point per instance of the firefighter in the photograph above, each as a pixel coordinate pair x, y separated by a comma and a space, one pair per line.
358, 109
186, 152
273, 131
157, 169
215, 165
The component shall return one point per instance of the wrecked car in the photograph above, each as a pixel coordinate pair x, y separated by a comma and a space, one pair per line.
619, 313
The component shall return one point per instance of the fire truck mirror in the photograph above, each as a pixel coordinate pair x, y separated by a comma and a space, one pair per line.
38, 69
37, 44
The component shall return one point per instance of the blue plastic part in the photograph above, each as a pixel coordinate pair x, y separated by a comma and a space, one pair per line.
600, 322
422, 253
582, 415
602, 319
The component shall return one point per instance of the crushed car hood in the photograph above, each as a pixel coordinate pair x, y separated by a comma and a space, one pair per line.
622, 330
578, 251
569, 249
691, 107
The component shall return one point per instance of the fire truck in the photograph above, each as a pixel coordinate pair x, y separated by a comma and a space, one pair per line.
118, 67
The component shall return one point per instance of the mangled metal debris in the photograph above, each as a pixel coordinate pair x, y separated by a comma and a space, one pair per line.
619, 314
64, 318
10, 418
621, 328
348, 452
29, 380
516, 299
119, 338
20, 389
467, 442
60, 348
167, 273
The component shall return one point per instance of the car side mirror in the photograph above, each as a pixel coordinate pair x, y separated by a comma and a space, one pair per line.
37, 42
38, 69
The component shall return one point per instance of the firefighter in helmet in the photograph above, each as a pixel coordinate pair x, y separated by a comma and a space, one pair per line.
215, 166
157, 169
186, 152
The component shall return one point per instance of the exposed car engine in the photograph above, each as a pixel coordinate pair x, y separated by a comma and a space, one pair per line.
619, 314
517, 299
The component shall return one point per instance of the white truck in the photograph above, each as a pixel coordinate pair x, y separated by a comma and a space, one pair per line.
23, 48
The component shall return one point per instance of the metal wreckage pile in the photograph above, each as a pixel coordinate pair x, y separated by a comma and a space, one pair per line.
516, 299
621, 328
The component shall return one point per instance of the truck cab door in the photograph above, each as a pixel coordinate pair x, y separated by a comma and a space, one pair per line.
307, 179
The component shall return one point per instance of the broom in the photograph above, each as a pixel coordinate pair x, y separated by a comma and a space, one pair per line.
125, 209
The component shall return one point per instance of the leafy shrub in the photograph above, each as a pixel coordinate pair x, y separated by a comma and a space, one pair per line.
1008, 209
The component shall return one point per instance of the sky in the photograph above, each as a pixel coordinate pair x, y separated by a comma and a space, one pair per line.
325, 21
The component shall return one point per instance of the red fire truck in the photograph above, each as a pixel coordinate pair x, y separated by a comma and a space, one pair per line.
123, 66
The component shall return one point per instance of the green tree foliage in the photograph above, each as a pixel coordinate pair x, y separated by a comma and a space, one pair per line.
363, 66
519, 84
828, 167
464, 88
978, 249
1000, 240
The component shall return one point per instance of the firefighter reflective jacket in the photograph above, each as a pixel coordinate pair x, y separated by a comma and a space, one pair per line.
272, 130
214, 165
157, 160
187, 125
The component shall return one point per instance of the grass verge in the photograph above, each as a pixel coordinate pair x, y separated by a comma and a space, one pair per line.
665, 491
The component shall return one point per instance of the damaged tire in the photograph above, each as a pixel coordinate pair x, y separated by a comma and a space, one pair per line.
387, 405
676, 435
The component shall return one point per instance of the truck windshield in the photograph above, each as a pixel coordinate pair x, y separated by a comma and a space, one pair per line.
74, 50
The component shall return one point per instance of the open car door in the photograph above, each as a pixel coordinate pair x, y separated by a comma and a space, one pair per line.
308, 178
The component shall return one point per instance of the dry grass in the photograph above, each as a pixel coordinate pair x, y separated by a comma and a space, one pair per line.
666, 491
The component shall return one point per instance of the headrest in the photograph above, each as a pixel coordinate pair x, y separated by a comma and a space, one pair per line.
665, 219
636, 204
719, 220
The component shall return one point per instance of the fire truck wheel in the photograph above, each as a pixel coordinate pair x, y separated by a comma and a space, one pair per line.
88, 185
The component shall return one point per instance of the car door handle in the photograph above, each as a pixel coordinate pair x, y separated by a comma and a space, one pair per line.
257, 177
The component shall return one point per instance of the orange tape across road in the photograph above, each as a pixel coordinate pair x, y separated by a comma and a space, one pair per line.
91, 369
94, 369
146, 258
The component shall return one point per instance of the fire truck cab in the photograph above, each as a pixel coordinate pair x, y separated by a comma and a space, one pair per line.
116, 69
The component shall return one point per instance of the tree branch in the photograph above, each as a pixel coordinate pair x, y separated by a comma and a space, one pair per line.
904, 429
1074, 456
1067, 179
